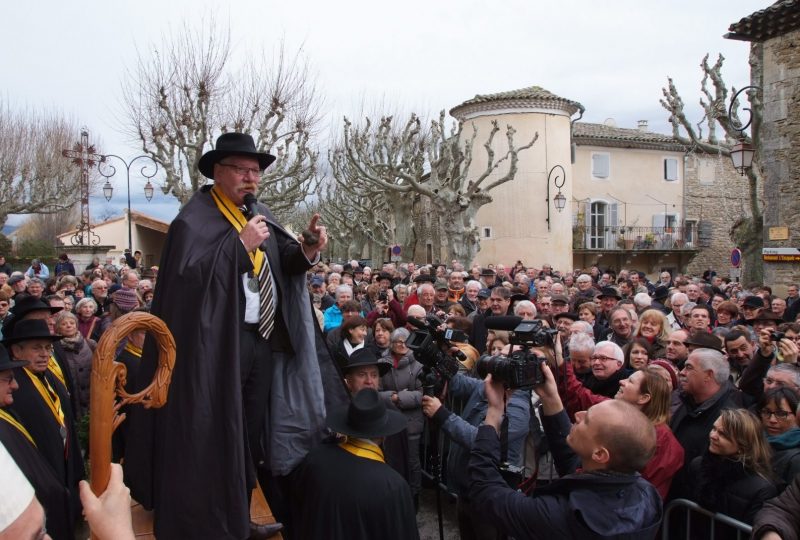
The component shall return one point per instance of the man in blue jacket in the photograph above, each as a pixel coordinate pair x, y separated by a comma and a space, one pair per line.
606, 499
462, 430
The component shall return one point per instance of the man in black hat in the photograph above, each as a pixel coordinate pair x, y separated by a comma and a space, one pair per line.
249, 391
42, 406
348, 491
50, 491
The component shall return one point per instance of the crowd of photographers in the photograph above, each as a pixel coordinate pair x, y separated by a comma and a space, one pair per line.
607, 395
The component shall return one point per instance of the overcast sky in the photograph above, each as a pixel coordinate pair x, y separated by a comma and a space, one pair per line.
613, 57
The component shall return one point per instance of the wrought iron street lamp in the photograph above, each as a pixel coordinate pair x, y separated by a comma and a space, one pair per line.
742, 152
560, 200
108, 189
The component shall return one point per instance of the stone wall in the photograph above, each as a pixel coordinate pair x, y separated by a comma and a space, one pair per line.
779, 146
715, 197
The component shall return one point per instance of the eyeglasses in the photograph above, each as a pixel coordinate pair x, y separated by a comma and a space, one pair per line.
242, 171
602, 358
8, 380
779, 415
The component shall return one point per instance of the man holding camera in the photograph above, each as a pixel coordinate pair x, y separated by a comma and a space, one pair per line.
462, 431
608, 498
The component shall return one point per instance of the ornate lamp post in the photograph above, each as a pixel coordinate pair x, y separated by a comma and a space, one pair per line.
560, 200
108, 190
742, 152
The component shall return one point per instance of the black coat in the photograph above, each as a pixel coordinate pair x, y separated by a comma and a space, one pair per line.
691, 424
576, 506
51, 492
781, 514
346, 497
188, 460
33, 413
722, 485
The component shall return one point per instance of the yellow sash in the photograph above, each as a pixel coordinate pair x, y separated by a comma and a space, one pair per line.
49, 396
53, 366
133, 349
237, 219
13, 421
361, 449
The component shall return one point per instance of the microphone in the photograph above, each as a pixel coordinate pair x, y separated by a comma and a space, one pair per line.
251, 203
507, 322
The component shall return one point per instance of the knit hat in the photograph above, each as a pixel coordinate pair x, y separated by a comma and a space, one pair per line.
125, 299
673, 374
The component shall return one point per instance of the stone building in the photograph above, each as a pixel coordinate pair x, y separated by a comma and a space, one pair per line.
774, 34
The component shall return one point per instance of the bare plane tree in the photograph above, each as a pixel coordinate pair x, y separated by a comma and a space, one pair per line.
186, 93
34, 177
747, 231
434, 164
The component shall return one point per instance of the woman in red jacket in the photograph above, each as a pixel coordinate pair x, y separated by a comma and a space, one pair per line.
650, 392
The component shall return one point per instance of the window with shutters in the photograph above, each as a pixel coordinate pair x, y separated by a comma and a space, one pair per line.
601, 165
670, 169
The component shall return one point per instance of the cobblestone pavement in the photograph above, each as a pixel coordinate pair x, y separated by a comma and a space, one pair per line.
427, 520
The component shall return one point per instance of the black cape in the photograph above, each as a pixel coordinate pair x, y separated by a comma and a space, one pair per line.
52, 493
188, 461
349, 498
33, 413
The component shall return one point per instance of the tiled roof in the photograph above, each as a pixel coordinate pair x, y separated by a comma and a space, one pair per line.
532, 96
602, 135
778, 19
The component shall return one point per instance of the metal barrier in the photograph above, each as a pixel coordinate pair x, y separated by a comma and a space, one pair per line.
714, 517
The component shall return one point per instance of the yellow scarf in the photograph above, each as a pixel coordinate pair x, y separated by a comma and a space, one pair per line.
237, 219
362, 449
49, 396
13, 421
53, 366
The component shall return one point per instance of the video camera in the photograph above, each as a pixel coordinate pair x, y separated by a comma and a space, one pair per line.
429, 344
521, 369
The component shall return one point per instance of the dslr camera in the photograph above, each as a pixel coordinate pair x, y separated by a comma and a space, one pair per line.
523, 368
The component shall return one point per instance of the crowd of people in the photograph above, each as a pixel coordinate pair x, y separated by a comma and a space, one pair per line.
710, 364
314, 382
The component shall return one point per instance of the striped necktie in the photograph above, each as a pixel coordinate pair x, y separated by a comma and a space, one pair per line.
266, 309
266, 292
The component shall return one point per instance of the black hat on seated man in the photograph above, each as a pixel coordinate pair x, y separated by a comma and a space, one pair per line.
704, 340
6, 363
365, 357
366, 417
609, 292
233, 144
28, 330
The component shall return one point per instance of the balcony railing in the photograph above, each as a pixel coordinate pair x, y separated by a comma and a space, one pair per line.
590, 238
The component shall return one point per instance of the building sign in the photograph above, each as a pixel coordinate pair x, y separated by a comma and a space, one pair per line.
779, 233
780, 254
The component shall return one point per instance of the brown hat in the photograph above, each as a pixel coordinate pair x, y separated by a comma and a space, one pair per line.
673, 373
704, 340
559, 299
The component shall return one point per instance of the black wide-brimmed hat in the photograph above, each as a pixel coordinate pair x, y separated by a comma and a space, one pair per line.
660, 293
232, 144
366, 417
24, 307
425, 278
365, 357
27, 330
566, 315
6, 363
609, 292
